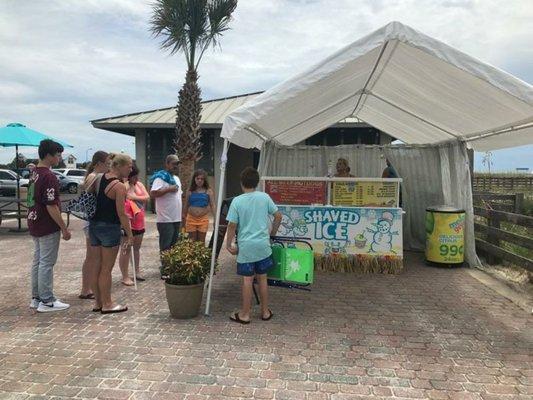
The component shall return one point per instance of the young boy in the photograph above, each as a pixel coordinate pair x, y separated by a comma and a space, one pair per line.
45, 224
249, 214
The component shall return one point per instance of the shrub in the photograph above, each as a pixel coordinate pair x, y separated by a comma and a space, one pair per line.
187, 263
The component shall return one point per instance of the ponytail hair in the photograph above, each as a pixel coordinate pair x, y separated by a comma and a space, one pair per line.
89, 170
99, 156
119, 160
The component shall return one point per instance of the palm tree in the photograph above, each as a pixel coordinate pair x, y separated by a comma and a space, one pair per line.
190, 27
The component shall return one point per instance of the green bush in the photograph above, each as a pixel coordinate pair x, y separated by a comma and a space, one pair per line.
528, 206
187, 263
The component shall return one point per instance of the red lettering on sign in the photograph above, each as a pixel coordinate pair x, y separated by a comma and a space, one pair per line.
296, 192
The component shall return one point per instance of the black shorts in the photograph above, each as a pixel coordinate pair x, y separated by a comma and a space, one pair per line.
137, 232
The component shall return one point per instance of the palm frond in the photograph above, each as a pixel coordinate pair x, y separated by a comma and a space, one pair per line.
220, 12
190, 26
169, 21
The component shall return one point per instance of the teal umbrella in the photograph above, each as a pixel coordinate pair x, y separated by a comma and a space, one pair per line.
15, 135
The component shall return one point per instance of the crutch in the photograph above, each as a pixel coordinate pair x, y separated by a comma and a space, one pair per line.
132, 263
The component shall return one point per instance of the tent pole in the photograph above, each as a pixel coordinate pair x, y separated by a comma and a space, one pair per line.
223, 160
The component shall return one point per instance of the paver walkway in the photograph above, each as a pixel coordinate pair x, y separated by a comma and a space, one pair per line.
427, 333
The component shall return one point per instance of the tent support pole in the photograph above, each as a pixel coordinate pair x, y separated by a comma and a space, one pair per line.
366, 90
499, 132
417, 117
223, 161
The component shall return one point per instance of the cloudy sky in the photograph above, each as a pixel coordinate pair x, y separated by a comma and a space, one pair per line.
66, 62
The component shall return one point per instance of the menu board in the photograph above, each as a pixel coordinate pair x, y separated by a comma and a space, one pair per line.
296, 192
365, 194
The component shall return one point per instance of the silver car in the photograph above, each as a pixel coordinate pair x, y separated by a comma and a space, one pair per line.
66, 184
75, 174
8, 182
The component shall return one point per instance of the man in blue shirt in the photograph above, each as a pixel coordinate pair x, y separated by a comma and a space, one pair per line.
249, 213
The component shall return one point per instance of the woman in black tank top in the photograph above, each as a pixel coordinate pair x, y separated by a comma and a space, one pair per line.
106, 210
105, 230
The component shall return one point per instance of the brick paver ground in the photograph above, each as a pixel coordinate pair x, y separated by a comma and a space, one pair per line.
427, 333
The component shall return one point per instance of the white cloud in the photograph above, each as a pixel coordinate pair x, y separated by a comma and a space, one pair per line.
64, 63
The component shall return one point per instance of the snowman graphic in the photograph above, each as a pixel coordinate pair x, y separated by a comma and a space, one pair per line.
382, 234
292, 225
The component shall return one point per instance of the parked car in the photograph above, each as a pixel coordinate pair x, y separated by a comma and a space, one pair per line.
66, 184
76, 174
24, 172
8, 182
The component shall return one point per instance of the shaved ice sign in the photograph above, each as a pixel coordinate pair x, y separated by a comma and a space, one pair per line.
331, 223
337, 230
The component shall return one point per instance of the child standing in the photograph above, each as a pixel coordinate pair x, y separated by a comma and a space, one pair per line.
136, 199
249, 213
198, 204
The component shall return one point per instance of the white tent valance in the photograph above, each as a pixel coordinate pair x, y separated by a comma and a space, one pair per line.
404, 83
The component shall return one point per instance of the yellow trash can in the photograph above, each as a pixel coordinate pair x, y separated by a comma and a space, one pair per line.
445, 239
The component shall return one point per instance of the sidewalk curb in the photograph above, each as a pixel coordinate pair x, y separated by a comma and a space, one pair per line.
520, 299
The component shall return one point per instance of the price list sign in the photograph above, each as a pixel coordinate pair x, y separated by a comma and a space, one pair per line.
365, 194
296, 192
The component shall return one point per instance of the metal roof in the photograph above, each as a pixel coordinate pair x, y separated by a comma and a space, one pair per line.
213, 114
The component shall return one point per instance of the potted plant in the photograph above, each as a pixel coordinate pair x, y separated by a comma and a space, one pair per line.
186, 267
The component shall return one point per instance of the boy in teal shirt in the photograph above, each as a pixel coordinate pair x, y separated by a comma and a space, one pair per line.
249, 213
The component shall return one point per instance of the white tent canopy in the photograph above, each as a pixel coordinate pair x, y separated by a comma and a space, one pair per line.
404, 83
400, 81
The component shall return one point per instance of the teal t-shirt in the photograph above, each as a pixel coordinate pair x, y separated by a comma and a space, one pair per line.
250, 212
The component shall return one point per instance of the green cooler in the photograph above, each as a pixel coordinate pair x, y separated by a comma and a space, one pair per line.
291, 263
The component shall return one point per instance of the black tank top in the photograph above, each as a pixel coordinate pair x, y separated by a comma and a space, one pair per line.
106, 209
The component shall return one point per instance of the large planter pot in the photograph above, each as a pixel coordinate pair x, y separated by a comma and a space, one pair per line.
184, 300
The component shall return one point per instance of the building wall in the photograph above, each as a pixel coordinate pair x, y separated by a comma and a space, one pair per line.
140, 153
154, 144
348, 135
238, 159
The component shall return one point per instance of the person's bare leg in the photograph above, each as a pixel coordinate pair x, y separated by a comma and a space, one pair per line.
192, 235
109, 255
86, 271
124, 264
96, 257
263, 294
201, 236
247, 293
137, 242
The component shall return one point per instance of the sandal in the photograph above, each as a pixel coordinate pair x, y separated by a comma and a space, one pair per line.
235, 318
127, 284
117, 309
140, 279
89, 296
269, 317
97, 309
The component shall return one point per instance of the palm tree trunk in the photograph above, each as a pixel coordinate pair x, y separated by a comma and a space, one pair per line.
187, 141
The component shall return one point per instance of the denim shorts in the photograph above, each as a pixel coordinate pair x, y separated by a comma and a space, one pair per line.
104, 234
258, 267
86, 230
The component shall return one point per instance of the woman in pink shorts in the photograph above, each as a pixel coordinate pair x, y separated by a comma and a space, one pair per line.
136, 200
